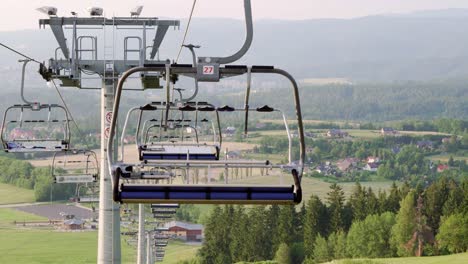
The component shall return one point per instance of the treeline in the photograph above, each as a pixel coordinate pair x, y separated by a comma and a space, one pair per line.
22, 174
371, 101
403, 222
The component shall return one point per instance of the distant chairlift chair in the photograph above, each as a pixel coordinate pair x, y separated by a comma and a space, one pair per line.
35, 128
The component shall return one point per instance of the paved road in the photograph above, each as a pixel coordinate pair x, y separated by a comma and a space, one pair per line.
52, 211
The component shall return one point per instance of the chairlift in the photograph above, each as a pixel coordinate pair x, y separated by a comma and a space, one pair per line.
35, 127
163, 211
197, 156
167, 206
75, 166
163, 216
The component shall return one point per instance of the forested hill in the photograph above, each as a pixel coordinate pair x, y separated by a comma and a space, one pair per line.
368, 101
416, 46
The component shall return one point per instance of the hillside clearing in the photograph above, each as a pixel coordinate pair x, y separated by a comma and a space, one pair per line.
10, 194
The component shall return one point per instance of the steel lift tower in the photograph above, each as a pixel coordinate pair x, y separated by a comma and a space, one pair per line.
81, 56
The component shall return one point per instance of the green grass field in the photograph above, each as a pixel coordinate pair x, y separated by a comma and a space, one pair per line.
446, 157
9, 215
449, 259
178, 251
11, 194
314, 186
47, 246
27, 245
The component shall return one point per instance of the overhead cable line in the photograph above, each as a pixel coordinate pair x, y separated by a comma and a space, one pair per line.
56, 88
186, 30
66, 107
19, 53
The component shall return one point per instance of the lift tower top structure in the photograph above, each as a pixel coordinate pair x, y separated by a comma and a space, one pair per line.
82, 55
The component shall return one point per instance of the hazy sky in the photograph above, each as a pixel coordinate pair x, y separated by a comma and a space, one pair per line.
21, 14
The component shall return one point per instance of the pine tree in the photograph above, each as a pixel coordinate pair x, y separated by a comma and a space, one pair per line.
339, 247
286, 226
282, 255
403, 230
434, 199
259, 240
273, 228
240, 235
315, 223
393, 200
336, 201
454, 199
372, 204
321, 250
464, 204
209, 251
382, 200
357, 202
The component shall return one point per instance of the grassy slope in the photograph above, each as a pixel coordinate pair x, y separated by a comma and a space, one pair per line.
8, 215
313, 186
12, 194
24, 245
177, 251
48, 246
449, 259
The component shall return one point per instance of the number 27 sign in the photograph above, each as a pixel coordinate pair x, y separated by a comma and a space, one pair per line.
208, 69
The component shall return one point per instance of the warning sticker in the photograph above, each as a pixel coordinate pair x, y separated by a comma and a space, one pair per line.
107, 132
109, 117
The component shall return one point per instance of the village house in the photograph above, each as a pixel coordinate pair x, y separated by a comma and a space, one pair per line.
260, 125
371, 167
372, 159
425, 144
229, 131
388, 131
442, 167
186, 231
347, 164
233, 154
309, 134
73, 224
336, 133
446, 140
325, 169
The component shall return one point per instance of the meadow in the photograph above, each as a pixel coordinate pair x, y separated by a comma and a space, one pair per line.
12, 194
448, 259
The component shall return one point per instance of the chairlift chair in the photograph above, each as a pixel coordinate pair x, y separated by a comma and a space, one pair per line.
35, 128
137, 192
165, 206
75, 166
